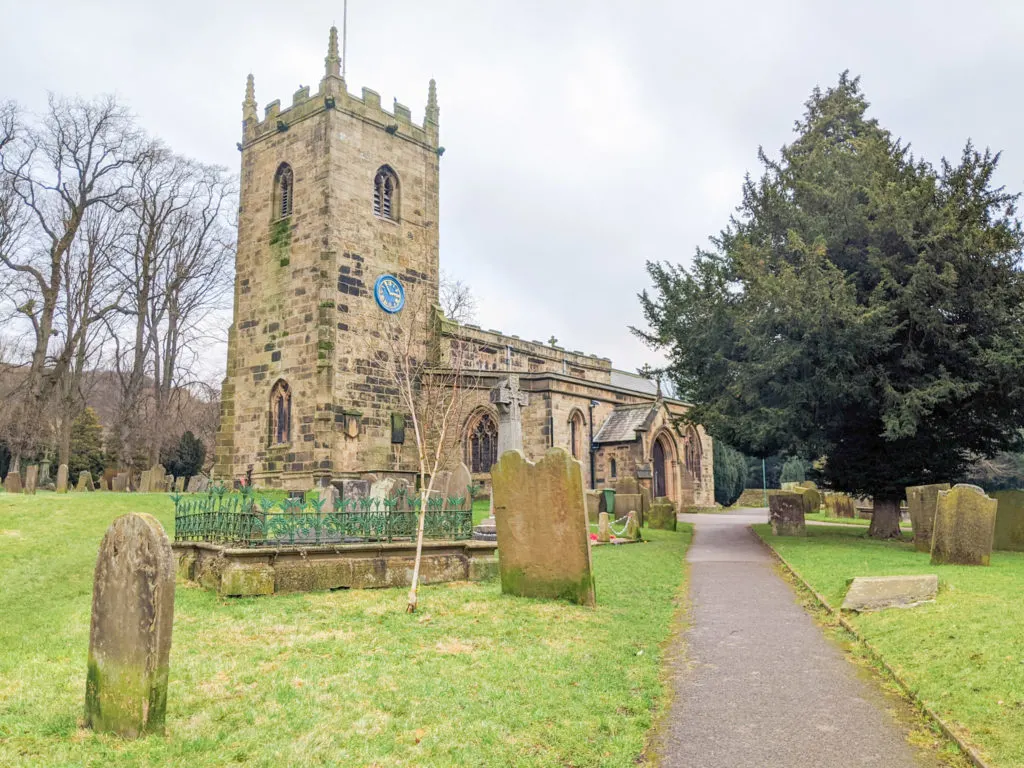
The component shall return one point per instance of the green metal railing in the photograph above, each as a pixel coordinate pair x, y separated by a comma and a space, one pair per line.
249, 519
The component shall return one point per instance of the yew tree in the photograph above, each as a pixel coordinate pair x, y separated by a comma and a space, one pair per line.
862, 307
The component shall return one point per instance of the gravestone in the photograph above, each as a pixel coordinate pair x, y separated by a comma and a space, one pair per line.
787, 512
510, 401
1009, 534
130, 631
120, 482
329, 495
843, 505
168, 484
199, 484
13, 482
921, 500
811, 497
543, 536
592, 499
31, 478
401, 488
62, 478
44, 473
441, 481
627, 485
144, 481
381, 489
874, 593
84, 481
965, 526
632, 526
179, 485
354, 489
604, 531
624, 502
459, 482
662, 515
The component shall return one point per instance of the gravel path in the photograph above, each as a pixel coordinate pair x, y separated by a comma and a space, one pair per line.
757, 682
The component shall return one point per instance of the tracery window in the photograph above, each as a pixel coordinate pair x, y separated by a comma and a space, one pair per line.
385, 193
280, 413
482, 444
284, 188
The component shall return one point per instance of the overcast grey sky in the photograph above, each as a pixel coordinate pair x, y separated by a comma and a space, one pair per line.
583, 138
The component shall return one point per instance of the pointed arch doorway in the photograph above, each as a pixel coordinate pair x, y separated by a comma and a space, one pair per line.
658, 457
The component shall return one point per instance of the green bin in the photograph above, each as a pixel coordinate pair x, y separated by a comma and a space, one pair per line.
609, 501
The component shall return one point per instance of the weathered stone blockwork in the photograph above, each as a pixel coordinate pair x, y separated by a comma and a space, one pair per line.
248, 572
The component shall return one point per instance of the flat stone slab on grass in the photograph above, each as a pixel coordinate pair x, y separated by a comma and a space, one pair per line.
875, 593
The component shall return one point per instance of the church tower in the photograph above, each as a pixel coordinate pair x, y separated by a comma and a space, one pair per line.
336, 193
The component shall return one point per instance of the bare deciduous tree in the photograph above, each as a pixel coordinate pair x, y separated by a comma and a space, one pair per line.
457, 299
433, 396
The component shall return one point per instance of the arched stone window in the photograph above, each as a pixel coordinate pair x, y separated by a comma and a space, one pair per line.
613, 468
576, 425
284, 188
481, 442
385, 193
280, 413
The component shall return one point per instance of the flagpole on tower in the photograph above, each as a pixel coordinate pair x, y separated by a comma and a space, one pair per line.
344, 38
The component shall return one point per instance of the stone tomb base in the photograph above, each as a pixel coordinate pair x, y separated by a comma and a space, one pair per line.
264, 571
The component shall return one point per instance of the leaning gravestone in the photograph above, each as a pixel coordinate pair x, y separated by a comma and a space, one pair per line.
62, 478
921, 501
543, 536
31, 478
13, 482
1009, 534
130, 632
787, 511
965, 524
84, 481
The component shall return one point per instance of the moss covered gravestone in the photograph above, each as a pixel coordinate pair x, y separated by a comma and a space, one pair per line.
543, 536
130, 633
1009, 521
604, 530
965, 524
921, 501
62, 478
788, 511
662, 515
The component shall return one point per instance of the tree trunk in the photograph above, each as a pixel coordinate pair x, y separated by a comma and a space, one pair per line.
414, 587
885, 520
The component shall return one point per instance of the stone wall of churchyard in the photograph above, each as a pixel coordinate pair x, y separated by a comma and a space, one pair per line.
304, 305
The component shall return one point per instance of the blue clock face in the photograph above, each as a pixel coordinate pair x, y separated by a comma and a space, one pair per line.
389, 293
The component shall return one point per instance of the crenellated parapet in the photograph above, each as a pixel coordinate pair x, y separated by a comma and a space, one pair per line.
333, 94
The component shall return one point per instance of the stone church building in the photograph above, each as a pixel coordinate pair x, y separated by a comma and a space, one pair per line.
338, 222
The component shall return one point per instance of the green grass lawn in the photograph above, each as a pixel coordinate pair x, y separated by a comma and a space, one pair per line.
963, 655
337, 678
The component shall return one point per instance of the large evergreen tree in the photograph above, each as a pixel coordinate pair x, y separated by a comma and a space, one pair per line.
863, 307
86, 445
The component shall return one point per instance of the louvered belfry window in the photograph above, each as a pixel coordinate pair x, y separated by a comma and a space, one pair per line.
284, 188
385, 194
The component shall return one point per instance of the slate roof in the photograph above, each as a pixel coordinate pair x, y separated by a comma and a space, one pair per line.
633, 382
625, 420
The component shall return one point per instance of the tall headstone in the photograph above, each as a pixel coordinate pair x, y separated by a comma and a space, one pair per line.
510, 401
1009, 534
355, 489
662, 515
31, 478
843, 505
144, 481
120, 482
543, 536
62, 478
604, 530
921, 501
787, 511
13, 482
459, 482
965, 526
130, 632
84, 481
179, 485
